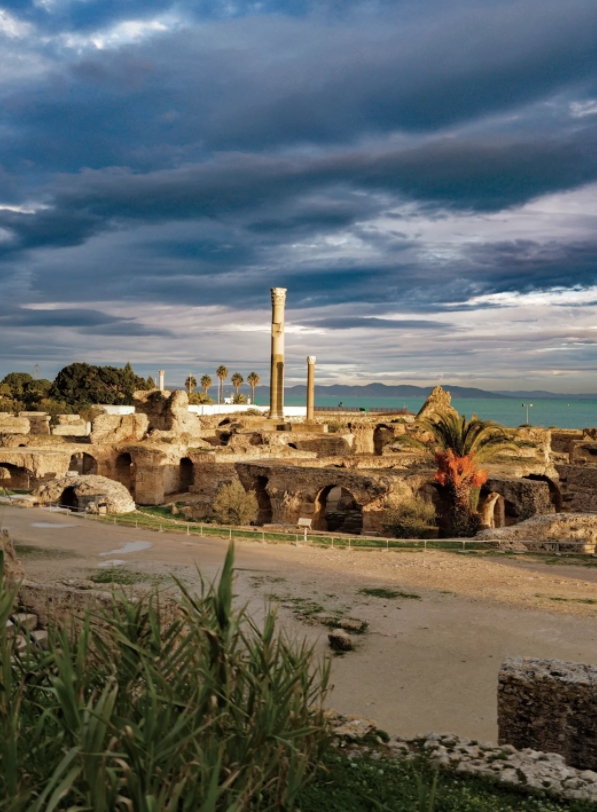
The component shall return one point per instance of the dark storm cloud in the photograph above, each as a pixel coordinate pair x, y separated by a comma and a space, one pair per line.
269, 81
487, 174
359, 323
89, 321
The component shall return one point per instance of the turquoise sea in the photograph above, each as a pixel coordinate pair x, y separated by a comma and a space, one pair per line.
577, 414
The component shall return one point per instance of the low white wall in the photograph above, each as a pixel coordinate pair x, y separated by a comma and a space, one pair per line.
235, 408
117, 409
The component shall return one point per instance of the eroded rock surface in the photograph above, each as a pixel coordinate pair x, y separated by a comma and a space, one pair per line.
87, 493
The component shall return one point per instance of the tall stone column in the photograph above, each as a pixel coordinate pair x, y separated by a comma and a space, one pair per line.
161, 373
311, 388
276, 392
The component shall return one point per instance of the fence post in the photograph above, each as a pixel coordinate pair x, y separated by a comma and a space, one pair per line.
201, 531
136, 524
160, 530
463, 544
230, 532
387, 544
349, 544
425, 545
188, 530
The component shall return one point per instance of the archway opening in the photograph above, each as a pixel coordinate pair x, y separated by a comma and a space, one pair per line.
14, 477
83, 463
125, 472
337, 511
186, 474
381, 436
265, 513
68, 498
555, 494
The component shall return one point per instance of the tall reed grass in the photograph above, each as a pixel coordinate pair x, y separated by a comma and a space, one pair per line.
209, 713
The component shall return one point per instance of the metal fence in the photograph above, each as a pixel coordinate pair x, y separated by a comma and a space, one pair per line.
148, 521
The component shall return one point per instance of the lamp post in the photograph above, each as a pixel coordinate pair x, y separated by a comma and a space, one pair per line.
527, 406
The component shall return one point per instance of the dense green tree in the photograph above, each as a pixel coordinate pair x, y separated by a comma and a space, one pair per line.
17, 382
81, 384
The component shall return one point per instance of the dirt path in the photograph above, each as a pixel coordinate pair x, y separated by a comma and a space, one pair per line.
425, 663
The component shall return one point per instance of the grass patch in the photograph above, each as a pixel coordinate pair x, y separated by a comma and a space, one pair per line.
381, 592
33, 551
366, 785
590, 601
127, 577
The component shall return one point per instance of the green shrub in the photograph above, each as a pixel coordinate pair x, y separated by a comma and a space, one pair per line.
234, 505
210, 712
412, 518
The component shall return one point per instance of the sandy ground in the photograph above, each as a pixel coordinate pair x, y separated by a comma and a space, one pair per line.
426, 663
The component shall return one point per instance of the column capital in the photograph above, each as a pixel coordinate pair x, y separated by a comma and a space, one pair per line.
278, 295
311, 359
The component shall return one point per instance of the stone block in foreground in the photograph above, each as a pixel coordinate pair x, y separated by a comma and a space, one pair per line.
549, 705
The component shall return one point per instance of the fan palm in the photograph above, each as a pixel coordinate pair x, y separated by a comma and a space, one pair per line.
222, 374
459, 446
205, 383
253, 381
237, 381
190, 383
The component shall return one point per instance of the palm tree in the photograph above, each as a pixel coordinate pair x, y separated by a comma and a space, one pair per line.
459, 446
253, 380
222, 374
190, 383
237, 381
205, 383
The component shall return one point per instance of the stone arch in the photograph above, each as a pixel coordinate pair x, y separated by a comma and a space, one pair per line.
68, 498
82, 463
186, 474
265, 514
126, 472
14, 476
382, 434
337, 511
555, 494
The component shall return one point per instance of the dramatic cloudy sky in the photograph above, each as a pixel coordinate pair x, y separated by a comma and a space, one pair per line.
421, 176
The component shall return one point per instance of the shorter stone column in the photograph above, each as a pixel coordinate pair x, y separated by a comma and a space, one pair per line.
161, 373
311, 388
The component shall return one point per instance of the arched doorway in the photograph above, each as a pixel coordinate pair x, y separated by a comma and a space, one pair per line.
68, 498
555, 494
83, 463
186, 475
14, 477
381, 436
125, 472
337, 511
265, 514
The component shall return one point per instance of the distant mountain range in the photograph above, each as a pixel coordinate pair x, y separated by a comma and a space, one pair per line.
381, 390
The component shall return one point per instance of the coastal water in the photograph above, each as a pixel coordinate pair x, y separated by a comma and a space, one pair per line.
577, 414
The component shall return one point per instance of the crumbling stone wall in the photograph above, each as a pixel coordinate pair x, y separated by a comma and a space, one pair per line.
578, 484
119, 428
168, 414
525, 497
549, 705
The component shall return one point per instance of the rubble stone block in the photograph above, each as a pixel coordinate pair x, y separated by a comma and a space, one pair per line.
549, 705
